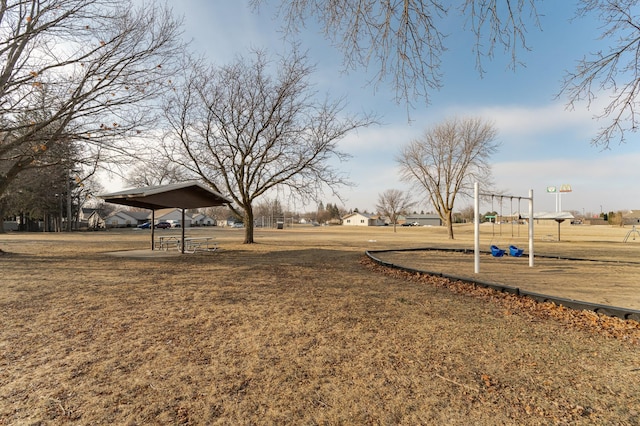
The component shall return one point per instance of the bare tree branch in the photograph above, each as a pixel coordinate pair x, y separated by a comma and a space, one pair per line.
614, 73
405, 40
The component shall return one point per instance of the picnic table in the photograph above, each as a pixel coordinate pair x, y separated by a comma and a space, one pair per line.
166, 242
191, 244
194, 244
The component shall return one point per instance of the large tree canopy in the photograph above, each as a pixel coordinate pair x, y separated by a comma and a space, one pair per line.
81, 71
256, 125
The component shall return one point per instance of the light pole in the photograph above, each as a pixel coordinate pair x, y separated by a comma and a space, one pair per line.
565, 187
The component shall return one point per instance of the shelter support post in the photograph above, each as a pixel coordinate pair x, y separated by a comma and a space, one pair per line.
153, 229
182, 227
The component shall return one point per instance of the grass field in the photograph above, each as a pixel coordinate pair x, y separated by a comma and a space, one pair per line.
301, 329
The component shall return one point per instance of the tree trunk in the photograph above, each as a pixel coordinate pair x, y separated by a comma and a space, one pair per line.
248, 225
450, 224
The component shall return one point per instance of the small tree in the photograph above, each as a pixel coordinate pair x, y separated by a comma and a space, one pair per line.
447, 159
466, 214
247, 132
393, 203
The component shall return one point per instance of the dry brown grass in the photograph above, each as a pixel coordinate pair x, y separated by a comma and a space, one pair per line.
293, 330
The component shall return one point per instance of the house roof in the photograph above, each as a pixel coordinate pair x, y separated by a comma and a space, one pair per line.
185, 195
122, 215
139, 215
165, 212
367, 215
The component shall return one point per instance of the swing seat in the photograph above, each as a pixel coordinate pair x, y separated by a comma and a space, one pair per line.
496, 251
515, 251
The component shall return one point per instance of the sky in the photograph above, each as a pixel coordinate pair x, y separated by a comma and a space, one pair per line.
542, 143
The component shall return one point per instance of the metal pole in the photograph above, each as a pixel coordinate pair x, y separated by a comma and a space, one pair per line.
182, 228
531, 228
476, 227
559, 201
153, 229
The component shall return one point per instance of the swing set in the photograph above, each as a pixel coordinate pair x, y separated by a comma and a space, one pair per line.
496, 251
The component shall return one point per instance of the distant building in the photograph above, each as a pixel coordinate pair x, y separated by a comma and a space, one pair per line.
631, 217
125, 218
121, 219
362, 219
200, 219
431, 219
95, 220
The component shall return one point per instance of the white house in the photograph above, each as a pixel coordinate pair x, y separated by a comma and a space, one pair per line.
95, 221
362, 219
121, 219
173, 216
200, 219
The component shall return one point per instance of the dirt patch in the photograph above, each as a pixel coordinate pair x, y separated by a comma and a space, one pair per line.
293, 330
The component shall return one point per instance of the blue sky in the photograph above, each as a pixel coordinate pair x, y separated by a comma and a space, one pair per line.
542, 144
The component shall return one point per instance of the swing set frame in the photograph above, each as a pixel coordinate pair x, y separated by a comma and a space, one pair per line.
476, 222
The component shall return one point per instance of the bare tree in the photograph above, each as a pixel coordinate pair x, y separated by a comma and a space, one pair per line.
447, 159
82, 71
406, 39
158, 170
614, 72
393, 203
246, 132
467, 213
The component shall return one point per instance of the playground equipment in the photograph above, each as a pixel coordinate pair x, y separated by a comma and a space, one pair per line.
476, 221
496, 251
633, 232
515, 251
514, 218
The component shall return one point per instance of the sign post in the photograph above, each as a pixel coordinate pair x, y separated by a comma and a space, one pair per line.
565, 187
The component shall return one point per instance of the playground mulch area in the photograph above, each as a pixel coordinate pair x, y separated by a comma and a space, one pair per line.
297, 329
597, 279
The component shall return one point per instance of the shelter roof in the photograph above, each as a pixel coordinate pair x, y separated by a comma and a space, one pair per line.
549, 215
184, 195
